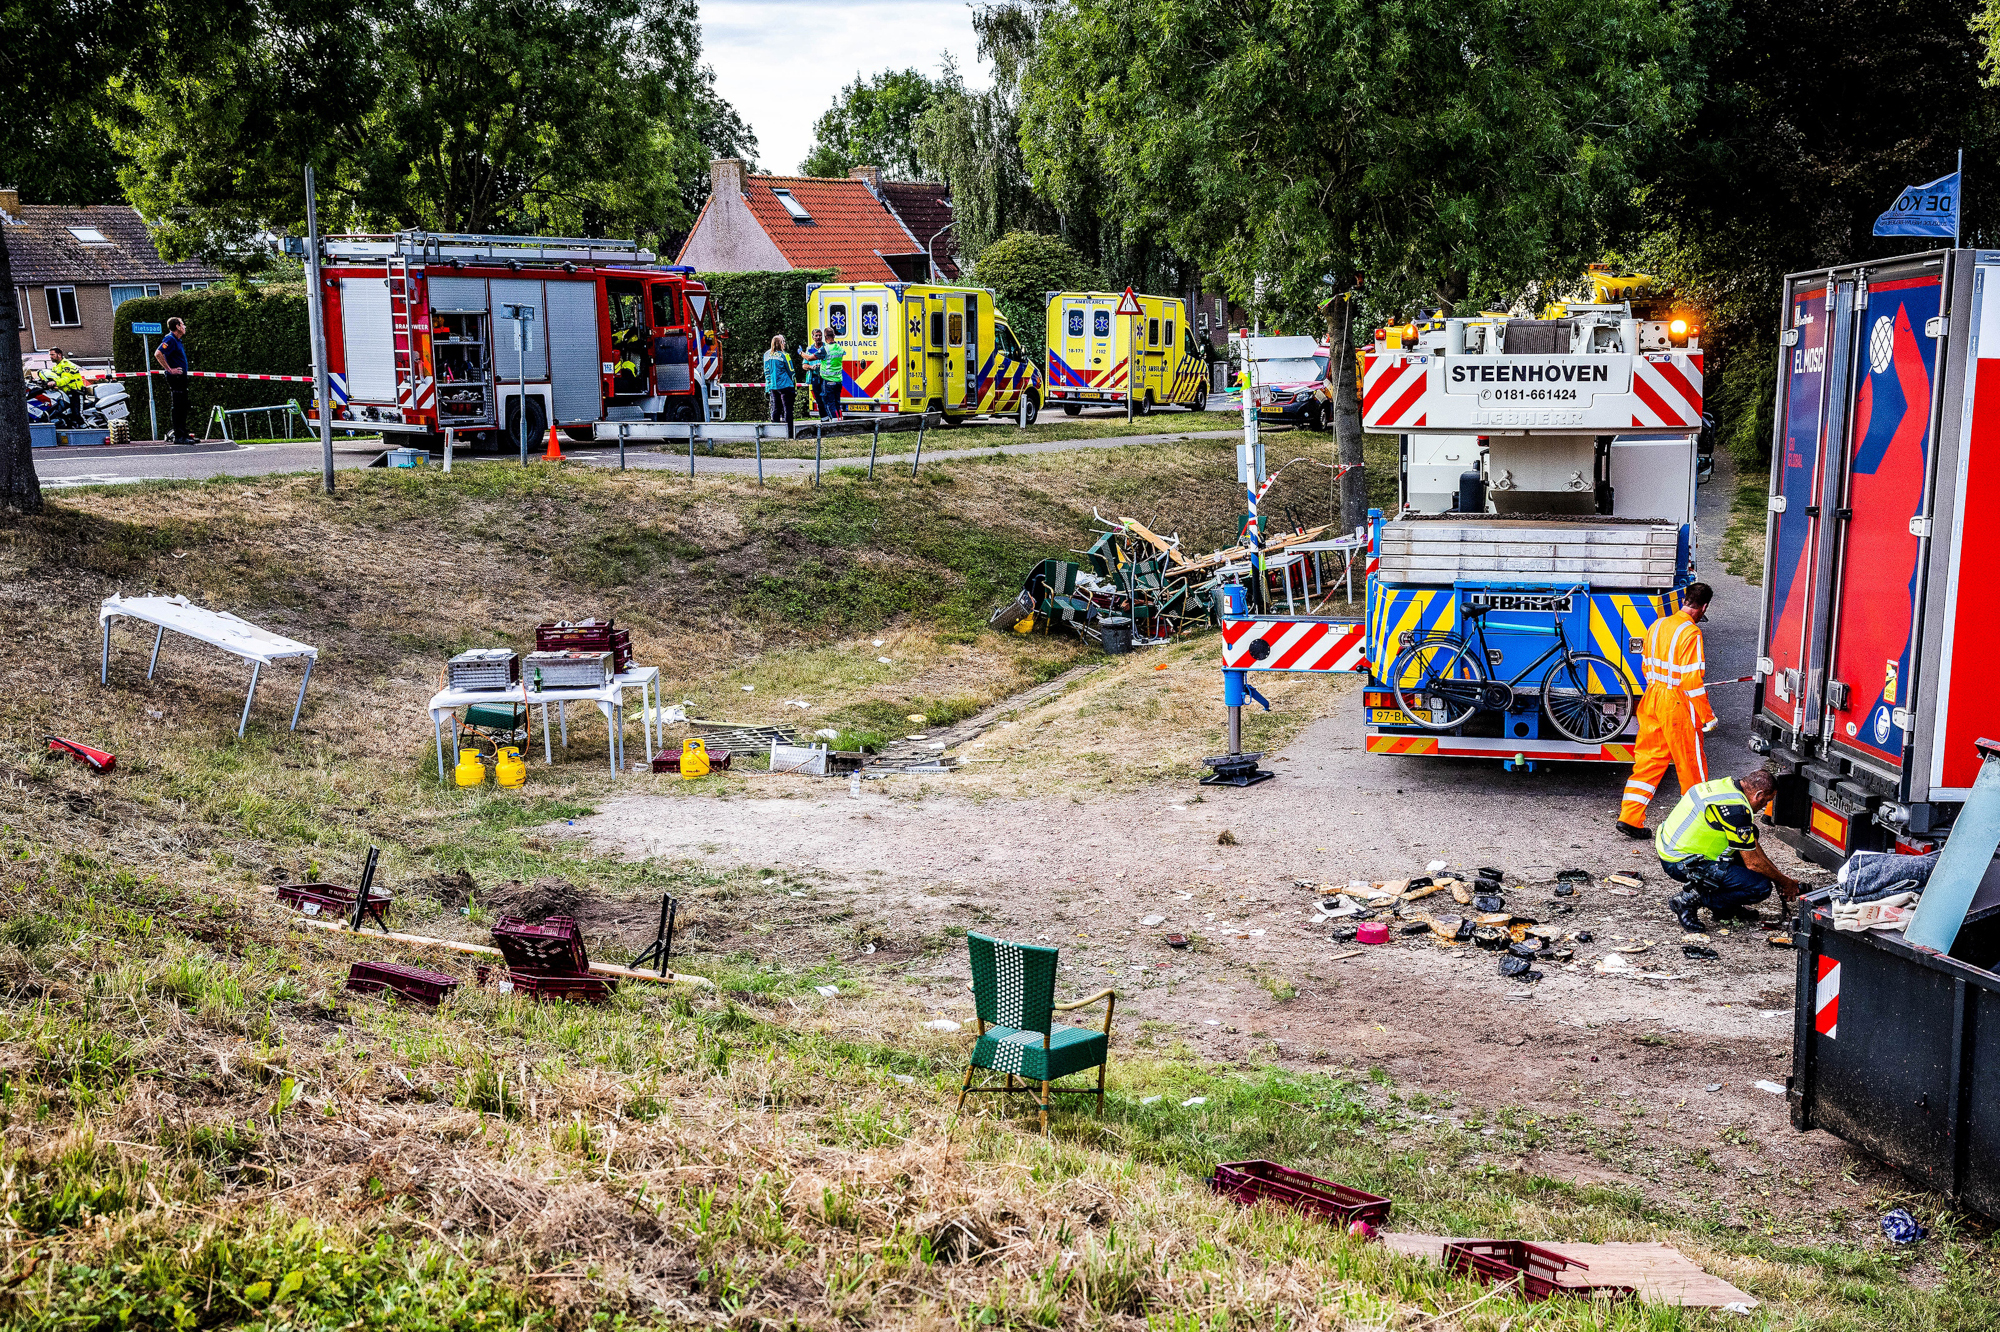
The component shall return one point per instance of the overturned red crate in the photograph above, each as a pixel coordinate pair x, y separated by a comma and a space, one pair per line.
1533, 1267
560, 985
555, 945
426, 987
332, 899
669, 760
1267, 1181
587, 636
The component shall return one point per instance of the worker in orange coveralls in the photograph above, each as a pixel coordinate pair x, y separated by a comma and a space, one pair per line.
1673, 713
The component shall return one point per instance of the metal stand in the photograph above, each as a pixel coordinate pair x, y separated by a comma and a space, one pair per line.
663, 938
692, 432
819, 438
363, 908
624, 429
760, 453
922, 421
1235, 768
873, 447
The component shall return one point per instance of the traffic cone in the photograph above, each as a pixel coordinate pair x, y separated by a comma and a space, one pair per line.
555, 453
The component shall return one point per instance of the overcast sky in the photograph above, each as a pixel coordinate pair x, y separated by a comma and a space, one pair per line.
780, 62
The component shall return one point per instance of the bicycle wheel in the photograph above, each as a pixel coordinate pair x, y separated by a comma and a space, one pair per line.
1437, 682
1586, 698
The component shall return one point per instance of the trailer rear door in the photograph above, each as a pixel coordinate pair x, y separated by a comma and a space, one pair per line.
1957, 703
1886, 463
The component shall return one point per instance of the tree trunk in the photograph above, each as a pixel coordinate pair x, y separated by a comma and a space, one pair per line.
1347, 414
20, 489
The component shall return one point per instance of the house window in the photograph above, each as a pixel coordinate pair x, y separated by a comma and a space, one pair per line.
1075, 323
120, 295
836, 320
89, 235
194, 286
62, 307
792, 206
871, 320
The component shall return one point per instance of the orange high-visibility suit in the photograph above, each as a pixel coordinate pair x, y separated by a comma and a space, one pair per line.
1673, 713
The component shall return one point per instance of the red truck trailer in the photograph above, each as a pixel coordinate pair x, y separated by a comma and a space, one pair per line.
1880, 634
428, 332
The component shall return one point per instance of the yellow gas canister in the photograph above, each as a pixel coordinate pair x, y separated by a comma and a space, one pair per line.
509, 769
470, 771
694, 758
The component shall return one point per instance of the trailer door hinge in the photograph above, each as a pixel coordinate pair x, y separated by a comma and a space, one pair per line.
1765, 666
1935, 326
1837, 694
1920, 526
1900, 716
1777, 504
1790, 338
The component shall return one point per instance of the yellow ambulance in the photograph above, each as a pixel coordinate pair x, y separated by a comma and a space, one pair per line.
1108, 347
913, 347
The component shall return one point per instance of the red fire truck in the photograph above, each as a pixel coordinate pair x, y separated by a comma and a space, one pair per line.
428, 333
1882, 555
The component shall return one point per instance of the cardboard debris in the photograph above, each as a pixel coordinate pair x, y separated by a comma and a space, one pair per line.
1660, 1273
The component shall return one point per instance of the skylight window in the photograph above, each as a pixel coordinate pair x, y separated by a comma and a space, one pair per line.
792, 206
89, 235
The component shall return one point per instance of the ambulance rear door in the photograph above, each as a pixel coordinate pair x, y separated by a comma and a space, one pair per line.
908, 308
1885, 466
1069, 345
958, 369
1110, 349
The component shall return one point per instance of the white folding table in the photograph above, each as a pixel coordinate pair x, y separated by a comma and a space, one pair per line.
609, 700
260, 647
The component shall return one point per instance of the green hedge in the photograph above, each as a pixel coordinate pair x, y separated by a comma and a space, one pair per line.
756, 307
257, 330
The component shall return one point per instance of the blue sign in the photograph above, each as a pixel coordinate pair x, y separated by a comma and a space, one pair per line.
145, 328
1923, 210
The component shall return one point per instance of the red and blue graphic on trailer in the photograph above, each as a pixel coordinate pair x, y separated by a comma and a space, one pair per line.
1888, 464
1794, 536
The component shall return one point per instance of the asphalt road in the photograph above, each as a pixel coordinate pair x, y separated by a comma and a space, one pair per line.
67, 468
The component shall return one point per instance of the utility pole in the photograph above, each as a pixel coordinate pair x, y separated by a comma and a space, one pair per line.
314, 303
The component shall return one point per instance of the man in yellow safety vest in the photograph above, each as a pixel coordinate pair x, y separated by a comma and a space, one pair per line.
1709, 843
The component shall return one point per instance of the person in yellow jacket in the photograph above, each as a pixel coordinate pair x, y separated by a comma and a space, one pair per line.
66, 376
1674, 712
1709, 843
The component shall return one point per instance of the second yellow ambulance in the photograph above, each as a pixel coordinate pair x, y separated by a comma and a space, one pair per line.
1107, 348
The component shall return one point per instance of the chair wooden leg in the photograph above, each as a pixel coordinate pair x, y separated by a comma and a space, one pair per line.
1045, 1109
965, 1087
1101, 1069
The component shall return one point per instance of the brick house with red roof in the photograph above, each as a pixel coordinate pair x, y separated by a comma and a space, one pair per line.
73, 265
762, 224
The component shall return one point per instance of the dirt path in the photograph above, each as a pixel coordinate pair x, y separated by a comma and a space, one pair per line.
1646, 1083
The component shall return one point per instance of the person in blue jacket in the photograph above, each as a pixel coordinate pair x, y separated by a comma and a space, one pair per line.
779, 386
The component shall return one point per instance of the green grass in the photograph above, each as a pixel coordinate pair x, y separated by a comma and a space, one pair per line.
1052, 427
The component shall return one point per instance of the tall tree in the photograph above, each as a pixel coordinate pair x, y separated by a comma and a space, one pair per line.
1439, 152
455, 115
872, 122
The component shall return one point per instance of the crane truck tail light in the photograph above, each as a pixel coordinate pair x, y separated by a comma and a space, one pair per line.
1677, 332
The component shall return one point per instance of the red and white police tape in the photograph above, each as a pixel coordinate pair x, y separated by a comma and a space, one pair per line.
207, 374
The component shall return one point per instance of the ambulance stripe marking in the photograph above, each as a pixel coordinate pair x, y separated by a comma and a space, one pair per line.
1826, 999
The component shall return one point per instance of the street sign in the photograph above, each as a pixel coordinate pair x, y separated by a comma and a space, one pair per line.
1128, 304
154, 329
698, 303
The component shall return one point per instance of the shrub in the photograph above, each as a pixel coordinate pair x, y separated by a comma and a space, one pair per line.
256, 330
1022, 267
755, 307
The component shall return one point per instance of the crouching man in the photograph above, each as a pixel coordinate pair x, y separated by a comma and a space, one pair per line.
1709, 843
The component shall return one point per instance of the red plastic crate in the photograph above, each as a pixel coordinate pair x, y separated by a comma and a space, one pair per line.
1532, 1267
426, 987
1254, 1181
332, 899
560, 985
555, 946
587, 636
669, 760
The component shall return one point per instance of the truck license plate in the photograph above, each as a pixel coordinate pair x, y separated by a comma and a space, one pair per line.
1393, 717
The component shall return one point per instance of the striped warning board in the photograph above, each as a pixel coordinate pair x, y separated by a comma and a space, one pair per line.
1826, 999
1458, 746
1294, 643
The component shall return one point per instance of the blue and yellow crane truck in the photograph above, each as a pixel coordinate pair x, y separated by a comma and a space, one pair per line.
1511, 625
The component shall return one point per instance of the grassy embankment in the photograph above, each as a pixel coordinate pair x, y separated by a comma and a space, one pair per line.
202, 1129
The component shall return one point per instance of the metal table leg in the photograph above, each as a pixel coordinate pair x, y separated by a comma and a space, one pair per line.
104, 671
562, 719
156, 651
255, 668
548, 755
302, 690
437, 732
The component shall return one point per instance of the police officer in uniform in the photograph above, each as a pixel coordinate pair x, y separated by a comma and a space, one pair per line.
1709, 843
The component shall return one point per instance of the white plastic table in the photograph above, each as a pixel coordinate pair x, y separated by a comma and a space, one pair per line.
259, 647
609, 700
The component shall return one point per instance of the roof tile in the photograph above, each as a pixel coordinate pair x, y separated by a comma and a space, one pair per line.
41, 248
850, 228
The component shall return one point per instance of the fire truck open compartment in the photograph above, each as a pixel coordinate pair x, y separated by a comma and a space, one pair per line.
501, 336
1878, 638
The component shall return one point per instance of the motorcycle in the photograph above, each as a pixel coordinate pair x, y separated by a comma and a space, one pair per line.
49, 405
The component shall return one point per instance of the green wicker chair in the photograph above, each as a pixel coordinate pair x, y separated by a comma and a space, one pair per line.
1013, 988
497, 724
